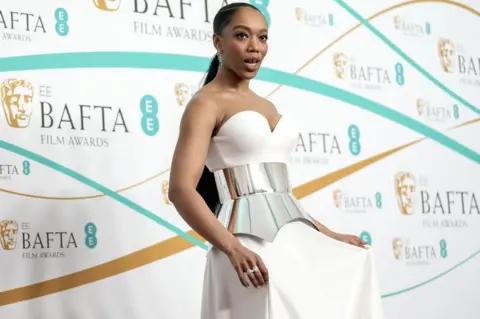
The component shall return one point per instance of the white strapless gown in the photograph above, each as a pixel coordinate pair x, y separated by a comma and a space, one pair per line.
312, 276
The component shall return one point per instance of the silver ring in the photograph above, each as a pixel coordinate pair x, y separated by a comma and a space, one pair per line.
251, 271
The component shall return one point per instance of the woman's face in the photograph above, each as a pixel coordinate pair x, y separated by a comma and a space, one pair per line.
243, 43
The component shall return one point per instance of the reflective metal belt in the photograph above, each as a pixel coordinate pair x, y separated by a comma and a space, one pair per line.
256, 199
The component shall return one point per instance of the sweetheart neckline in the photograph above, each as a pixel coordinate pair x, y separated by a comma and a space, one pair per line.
272, 130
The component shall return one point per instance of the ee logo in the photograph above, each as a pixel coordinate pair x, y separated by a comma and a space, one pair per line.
262, 5
443, 248
354, 140
378, 200
365, 236
456, 115
399, 74
149, 109
61, 25
91, 235
428, 28
26, 167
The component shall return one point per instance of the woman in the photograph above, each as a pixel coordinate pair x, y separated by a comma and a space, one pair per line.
230, 158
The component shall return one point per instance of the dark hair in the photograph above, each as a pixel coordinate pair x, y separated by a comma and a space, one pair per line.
206, 186
220, 21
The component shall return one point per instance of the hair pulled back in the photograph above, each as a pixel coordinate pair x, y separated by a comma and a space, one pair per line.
206, 186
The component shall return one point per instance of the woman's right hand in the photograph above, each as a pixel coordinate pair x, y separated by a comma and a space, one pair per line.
248, 264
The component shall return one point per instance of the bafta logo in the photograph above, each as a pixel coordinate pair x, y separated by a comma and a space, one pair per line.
405, 187
397, 246
8, 234
337, 198
165, 192
421, 106
107, 5
340, 62
397, 21
183, 94
299, 14
446, 51
16, 97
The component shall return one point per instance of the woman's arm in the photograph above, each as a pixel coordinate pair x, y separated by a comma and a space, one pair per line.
196, 127
323, 229
349, 239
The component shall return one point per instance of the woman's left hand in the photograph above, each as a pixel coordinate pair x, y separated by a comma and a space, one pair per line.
350, 239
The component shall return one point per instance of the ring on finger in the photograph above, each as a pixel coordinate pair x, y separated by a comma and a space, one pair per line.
252, 270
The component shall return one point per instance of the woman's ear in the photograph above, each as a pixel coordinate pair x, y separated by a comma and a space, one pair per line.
217, 43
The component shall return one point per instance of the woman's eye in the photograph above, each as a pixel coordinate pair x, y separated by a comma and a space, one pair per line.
241, 35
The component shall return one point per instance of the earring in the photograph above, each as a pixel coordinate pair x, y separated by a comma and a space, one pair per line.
219, 55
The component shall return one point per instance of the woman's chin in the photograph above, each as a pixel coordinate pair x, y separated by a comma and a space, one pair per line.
249, 75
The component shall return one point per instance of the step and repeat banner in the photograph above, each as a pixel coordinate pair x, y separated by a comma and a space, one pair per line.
91, 95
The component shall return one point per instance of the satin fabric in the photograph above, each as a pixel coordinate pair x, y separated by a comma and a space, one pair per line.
312, 276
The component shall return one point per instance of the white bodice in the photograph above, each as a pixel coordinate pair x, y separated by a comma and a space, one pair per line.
246, 138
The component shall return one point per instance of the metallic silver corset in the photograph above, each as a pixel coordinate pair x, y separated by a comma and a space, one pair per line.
256, 199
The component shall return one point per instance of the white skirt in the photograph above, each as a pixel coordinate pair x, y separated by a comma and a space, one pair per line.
310, 276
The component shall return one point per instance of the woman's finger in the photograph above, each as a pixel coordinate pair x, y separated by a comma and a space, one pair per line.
263, 269
256, 272
241, 276
361, 242
358, 242
248, 272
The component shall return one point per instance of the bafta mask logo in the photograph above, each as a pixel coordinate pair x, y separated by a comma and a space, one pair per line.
337, 198
299, 14
16, 97
340, 61
405, 187
421, 106
397, 22
183, 94
165, 192
107, 5
446, 52
398, 247
8, 234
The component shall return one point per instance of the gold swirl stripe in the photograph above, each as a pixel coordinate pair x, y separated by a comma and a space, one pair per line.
109, 269
319, 53
317, 184
178, 244
375, 15
464, 124
175, 244
84, 197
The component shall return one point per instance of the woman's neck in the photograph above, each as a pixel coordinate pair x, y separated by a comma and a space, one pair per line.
230, 81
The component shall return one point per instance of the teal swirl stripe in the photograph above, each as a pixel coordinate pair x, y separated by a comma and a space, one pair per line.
99, 59
199, 64
135, 207
141, 60
165, 61
402, 291
91, 183
414, 64
443, 87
